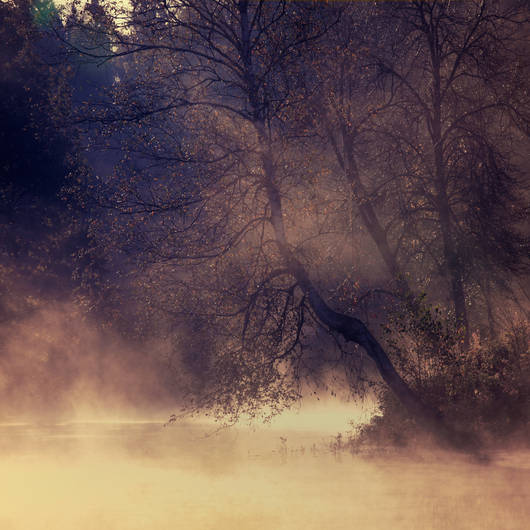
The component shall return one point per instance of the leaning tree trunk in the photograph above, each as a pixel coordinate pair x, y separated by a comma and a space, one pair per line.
354, 330
348, 164
374, 226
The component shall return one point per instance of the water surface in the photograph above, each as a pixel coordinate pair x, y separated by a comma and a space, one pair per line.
131, 476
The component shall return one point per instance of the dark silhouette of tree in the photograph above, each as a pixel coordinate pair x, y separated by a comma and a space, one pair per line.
350, 111
396, 76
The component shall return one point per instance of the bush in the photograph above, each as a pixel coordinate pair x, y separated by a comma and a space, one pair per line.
483, 389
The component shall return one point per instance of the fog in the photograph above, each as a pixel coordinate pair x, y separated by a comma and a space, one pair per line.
146, 476
60, 365
62, 471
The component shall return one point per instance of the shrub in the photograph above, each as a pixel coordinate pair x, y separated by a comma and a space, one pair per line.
484, 388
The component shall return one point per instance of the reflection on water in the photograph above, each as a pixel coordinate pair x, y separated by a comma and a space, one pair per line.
144, 476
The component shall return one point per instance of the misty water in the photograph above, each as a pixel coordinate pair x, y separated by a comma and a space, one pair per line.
131, 476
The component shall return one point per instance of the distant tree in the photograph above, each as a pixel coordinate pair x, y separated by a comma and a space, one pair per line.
349, 113
445, 210
40, 169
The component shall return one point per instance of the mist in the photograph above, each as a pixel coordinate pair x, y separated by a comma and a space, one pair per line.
148, 476
59, 365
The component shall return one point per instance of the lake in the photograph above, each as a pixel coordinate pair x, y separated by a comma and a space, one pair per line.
132, 476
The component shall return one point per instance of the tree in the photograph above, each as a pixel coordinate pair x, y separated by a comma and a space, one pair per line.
379, 108
217, 197
350, 111
460, 83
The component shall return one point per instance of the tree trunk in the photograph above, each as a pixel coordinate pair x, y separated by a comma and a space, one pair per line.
450, 253
354, 330
452, 266
376, 230
348, 164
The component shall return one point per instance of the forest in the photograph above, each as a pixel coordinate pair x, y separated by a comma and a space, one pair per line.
249, 200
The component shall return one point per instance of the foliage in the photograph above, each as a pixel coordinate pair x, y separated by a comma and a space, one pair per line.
484, 388
41, 227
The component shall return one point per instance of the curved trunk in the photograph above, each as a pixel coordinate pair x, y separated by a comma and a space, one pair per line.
354, 330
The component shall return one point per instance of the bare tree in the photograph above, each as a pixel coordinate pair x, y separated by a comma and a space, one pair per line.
461, 78
424, 108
